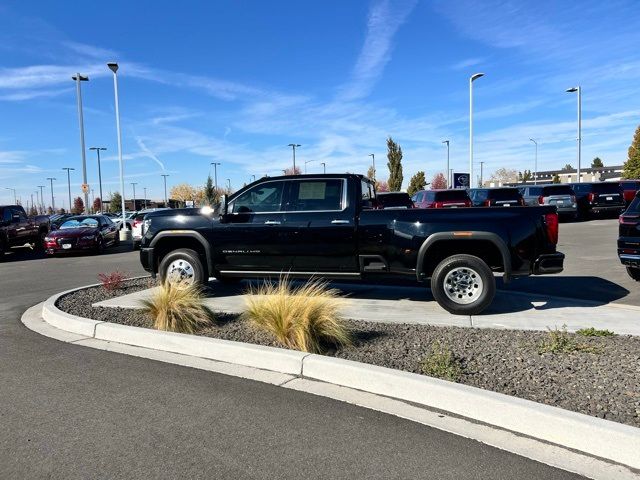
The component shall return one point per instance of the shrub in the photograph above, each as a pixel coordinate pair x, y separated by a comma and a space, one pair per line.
441, 363
177, 307
304, 318
560, 341
594, 332
112, 281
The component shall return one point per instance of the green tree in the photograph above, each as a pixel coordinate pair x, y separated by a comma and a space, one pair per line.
556, 178
567, 168
525, 176
210, 194
417, 183
597, 163
632, 165
371, 173
394, 157
49, 210
78, 206
115, 205
33, 211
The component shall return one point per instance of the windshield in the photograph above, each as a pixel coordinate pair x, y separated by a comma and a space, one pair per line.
80, 223
605, 187
449, 195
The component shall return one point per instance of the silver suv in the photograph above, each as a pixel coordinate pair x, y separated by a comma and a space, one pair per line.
561, 196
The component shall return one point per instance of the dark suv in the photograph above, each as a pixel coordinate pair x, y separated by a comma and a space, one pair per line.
561, 196
452, 198
396, 200
629, 238
629, 189
496, 197
598, 198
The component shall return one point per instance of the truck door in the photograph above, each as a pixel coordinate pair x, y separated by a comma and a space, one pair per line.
21, 225
323, 214
254, 236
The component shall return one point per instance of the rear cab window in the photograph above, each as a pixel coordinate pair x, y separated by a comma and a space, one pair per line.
451, 195
504, 194
557, 190
318, 195
606, 187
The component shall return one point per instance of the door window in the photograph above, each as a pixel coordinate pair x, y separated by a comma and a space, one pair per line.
265, 197
317, 195
6, 215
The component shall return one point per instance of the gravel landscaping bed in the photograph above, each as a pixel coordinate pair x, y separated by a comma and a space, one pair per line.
602, 379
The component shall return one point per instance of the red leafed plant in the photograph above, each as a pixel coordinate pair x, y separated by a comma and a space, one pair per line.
112, 281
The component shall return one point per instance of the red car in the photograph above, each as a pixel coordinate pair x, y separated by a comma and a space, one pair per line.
629, 189
82, 233
451, 198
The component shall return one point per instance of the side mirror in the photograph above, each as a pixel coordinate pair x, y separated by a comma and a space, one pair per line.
222, 208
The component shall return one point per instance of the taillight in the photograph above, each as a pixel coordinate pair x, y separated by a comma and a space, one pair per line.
628, 220
541, 200
573, 199
521, 202
438, 205
467, 203
591, 197
551, 220
487, 203
137, 222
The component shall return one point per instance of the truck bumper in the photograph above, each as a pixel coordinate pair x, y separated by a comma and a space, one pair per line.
630, 260
147, 260
548, 263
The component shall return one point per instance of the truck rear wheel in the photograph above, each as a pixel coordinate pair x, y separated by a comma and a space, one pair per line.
463, 285
634, 273
182, 266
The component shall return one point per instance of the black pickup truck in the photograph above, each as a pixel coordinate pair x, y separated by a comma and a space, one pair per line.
629, 238
17, 229
326, 226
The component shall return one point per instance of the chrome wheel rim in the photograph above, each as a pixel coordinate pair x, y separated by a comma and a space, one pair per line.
463, 285
180, 271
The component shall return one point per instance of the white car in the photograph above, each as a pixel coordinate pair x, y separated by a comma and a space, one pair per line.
137, 225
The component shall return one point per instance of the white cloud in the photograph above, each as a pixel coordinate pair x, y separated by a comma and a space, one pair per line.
467, 63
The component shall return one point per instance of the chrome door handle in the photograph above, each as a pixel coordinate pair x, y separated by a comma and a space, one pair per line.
272, 222
339, 222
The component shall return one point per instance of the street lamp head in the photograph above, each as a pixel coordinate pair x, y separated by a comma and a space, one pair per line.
113, 66
294, 145
83, 78
446, 141
534, 140
572, 89
475, 76
97, 148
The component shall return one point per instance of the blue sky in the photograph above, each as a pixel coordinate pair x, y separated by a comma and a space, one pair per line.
235, 82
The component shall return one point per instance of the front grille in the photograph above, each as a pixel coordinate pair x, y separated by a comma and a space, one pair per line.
71, 241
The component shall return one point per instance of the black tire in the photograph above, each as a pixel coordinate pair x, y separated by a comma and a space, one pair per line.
38, 243
189, 257
469, 269
136, 245
634, 273
116, 240
100, 246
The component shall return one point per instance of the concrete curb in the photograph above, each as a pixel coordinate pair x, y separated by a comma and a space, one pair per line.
594, 436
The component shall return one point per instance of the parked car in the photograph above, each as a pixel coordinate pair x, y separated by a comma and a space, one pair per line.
82, 233
19, 230
595, 198
561, 196
629, 238
629, 189
451, 198
137, 225
324, 226
395, 200
496, 197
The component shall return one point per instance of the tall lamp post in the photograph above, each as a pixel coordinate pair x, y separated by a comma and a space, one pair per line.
133, 184
15, 199
305, 165
53, 204
229, 184
324, 167
98, 149
373, 163
448, 176
578, 89
82, 78
472, 79
166, 202
113, 66
215, 175
481, 173
535, 173
294, 146
68, 169
145, 197
41, 187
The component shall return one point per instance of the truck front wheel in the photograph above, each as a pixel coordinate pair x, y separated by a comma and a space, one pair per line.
182, 266
463, 285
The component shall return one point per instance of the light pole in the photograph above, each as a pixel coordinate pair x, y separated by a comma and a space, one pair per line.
82, 78
41, 187
93, 199
324, 167
451, 176
133, 184
113, 66
579, 90
535, 173
215, 175
472, 78
166, 202
481, 173
305, 165
68, 169
53, 205
97, 149
448, 176
253, 178
373, 160
293, 146
229, 184
15, 199
145, 197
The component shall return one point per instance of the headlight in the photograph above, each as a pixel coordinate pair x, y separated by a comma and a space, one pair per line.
48, 239
88, 237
